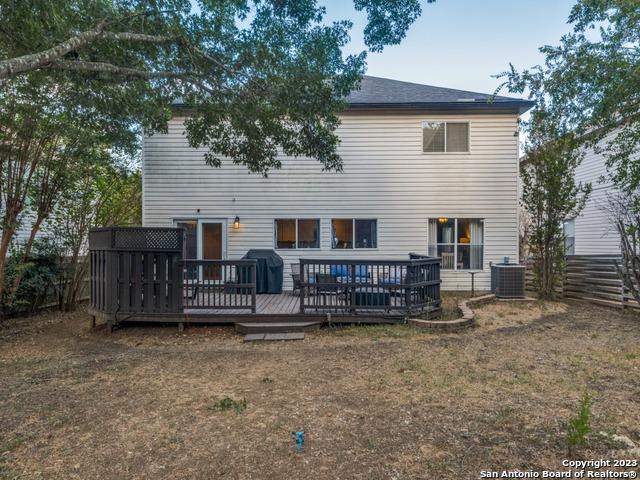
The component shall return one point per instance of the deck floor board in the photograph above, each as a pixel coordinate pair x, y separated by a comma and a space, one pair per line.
282, 304
274, 303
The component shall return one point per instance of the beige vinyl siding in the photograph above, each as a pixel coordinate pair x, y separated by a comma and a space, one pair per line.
594, 232
386, 177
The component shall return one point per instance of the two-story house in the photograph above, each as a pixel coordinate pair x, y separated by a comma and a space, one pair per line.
427, 169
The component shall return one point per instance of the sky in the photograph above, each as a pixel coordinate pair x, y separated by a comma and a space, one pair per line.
463, 43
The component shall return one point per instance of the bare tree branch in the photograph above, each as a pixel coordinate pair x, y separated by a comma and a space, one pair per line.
134, 73
109, 68
137, 37
18, 65
15, 66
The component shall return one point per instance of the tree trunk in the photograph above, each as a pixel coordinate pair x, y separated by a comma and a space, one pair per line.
25, 257
7, 236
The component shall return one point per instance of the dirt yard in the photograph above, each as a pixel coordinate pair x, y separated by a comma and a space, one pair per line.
375, 402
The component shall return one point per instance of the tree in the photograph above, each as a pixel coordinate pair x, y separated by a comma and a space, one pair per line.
257, 75
626, 219
102, 195
550, 195
43, 142
593, 79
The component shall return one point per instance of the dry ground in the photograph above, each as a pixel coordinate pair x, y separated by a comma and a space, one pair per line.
376, 402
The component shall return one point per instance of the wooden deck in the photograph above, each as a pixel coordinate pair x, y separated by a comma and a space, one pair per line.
138, 274
285, 303
284, 307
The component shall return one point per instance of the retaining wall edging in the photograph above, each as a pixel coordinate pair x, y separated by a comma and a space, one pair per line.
466, 319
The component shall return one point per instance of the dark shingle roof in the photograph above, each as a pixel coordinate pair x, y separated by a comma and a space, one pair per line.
378, 92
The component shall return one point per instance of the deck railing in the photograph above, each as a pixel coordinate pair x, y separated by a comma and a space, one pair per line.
138, 273
219, 284
394, 287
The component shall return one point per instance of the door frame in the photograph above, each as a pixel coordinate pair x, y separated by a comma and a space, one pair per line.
223, 222
200, 221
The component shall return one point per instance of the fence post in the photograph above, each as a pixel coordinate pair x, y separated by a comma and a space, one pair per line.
254, 279
353, 287
409, 290
176, 293
303, 284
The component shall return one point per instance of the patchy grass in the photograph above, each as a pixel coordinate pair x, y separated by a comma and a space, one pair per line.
227, 403
376, 402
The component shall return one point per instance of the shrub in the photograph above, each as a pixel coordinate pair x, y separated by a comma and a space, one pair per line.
580, 426
40, 274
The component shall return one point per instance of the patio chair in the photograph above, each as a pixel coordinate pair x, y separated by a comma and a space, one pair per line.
327, 283
295, 276
446, 260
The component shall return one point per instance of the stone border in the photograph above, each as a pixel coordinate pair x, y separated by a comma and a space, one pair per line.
466, 320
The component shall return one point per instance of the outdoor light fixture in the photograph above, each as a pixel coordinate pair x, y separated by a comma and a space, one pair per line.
443, 220
236, 222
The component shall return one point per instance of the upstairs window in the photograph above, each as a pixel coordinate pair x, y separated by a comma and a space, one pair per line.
442, 137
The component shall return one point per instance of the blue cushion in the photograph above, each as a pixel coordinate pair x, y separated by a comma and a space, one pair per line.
391, 280
344, 272
339, 270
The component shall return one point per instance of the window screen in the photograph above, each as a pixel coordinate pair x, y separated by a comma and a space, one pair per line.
433, 137
457, 137
445, 137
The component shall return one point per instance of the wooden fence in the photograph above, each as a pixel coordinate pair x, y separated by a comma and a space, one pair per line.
592, 278
136, 270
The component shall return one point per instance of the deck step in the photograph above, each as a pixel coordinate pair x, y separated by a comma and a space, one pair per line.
276, 327
270, 337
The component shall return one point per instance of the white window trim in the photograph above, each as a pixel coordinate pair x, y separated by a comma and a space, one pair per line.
455, 244
199, 221
353, 233
564, 233
275, 233
468, 152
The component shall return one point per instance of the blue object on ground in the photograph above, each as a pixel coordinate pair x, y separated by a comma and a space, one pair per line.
299, 440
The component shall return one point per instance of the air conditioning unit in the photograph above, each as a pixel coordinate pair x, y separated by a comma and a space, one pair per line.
507, 279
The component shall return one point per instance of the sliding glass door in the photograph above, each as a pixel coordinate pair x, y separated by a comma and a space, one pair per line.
204, 240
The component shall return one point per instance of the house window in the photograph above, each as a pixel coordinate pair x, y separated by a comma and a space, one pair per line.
297, 233
445, 137
350, 232
570, 237
459, 242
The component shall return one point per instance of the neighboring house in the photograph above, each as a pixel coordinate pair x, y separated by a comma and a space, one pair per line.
426, 169
22, 233
592, 232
